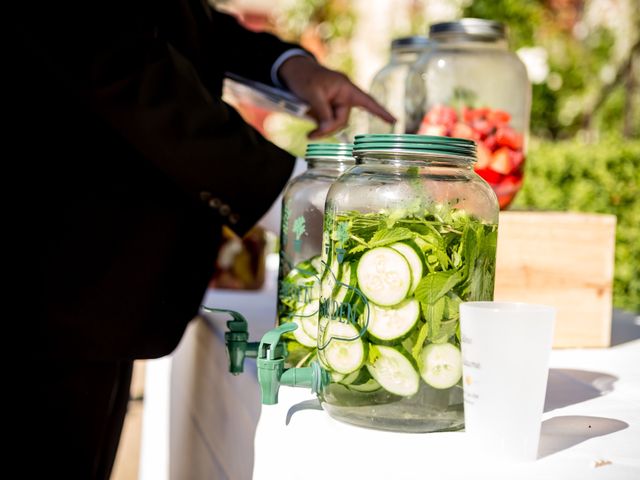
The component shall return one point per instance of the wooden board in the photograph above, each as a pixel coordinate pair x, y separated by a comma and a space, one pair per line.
560, 259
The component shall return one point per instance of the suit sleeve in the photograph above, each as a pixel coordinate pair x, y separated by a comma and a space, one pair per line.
249, 54
112, 57
161, 107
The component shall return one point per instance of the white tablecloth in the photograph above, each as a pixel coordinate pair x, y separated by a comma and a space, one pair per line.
200, 422
592, 414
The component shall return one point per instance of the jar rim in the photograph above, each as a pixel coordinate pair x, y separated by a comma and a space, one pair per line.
414, 144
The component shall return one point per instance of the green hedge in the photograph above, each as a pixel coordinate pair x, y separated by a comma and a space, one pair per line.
600, 178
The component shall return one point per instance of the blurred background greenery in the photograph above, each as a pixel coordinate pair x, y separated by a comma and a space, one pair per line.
583, 57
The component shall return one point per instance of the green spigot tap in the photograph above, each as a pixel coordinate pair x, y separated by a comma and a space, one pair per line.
236, 340
271, 372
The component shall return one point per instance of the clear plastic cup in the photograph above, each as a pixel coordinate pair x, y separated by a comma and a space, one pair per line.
505, 354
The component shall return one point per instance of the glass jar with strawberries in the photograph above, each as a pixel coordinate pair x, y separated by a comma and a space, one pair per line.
472, 86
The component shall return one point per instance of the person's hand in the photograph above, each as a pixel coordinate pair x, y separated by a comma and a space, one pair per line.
330, 94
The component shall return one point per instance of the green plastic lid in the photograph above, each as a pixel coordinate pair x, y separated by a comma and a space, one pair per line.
330, 151
452, 146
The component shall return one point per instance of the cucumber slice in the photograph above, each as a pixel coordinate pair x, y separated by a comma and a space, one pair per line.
316, 263
343, 356
307, 293
364, 382
394, 324
369, 386
308, 318
441, 365
384, 276
352, 377
304, 288
414, 256
346, 281
394, 372
304, 269
329, 279
300, 335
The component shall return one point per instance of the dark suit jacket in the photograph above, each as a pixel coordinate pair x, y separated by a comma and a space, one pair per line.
127, 165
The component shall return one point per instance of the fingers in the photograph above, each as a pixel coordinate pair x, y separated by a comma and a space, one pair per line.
331, 99
319, 105
361, 99
339, 120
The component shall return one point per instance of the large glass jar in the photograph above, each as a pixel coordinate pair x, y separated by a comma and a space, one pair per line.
471, 86
411, 233
301, 246
388, 85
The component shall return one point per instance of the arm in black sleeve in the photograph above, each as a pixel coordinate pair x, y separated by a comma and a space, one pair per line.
162, 108
246, 53
113, 56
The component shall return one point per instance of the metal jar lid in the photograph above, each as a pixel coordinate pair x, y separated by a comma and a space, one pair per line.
473, 27
414, 144
413, 42
340, 152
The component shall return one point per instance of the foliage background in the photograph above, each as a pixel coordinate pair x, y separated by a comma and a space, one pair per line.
584, 153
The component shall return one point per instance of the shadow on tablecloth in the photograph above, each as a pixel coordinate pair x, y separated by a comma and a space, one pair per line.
567, 386
565, 431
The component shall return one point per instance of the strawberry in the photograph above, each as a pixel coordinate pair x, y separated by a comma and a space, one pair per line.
507, 137
491, 177
462, 130
436, 130
500, 161
484, 157
498, 117
483, 127
482, 112
517, 157
441, 115
490, 142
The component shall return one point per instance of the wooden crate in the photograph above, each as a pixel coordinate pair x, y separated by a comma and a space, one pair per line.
560, 259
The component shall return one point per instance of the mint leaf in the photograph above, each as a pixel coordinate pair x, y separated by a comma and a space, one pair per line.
358, 249
341, 235
469, 248
417, 347
389, 236
433, 314
435, 285
447, 329
452, 306
374, 354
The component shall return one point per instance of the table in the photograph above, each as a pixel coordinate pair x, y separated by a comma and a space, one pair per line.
200, 422
592, 414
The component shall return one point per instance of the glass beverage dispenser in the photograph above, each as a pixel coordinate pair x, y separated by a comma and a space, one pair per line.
388, 85
409, 233
472, 86
301, 262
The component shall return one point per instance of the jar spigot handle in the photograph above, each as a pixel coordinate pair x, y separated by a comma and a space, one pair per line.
271, 372
236, 340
